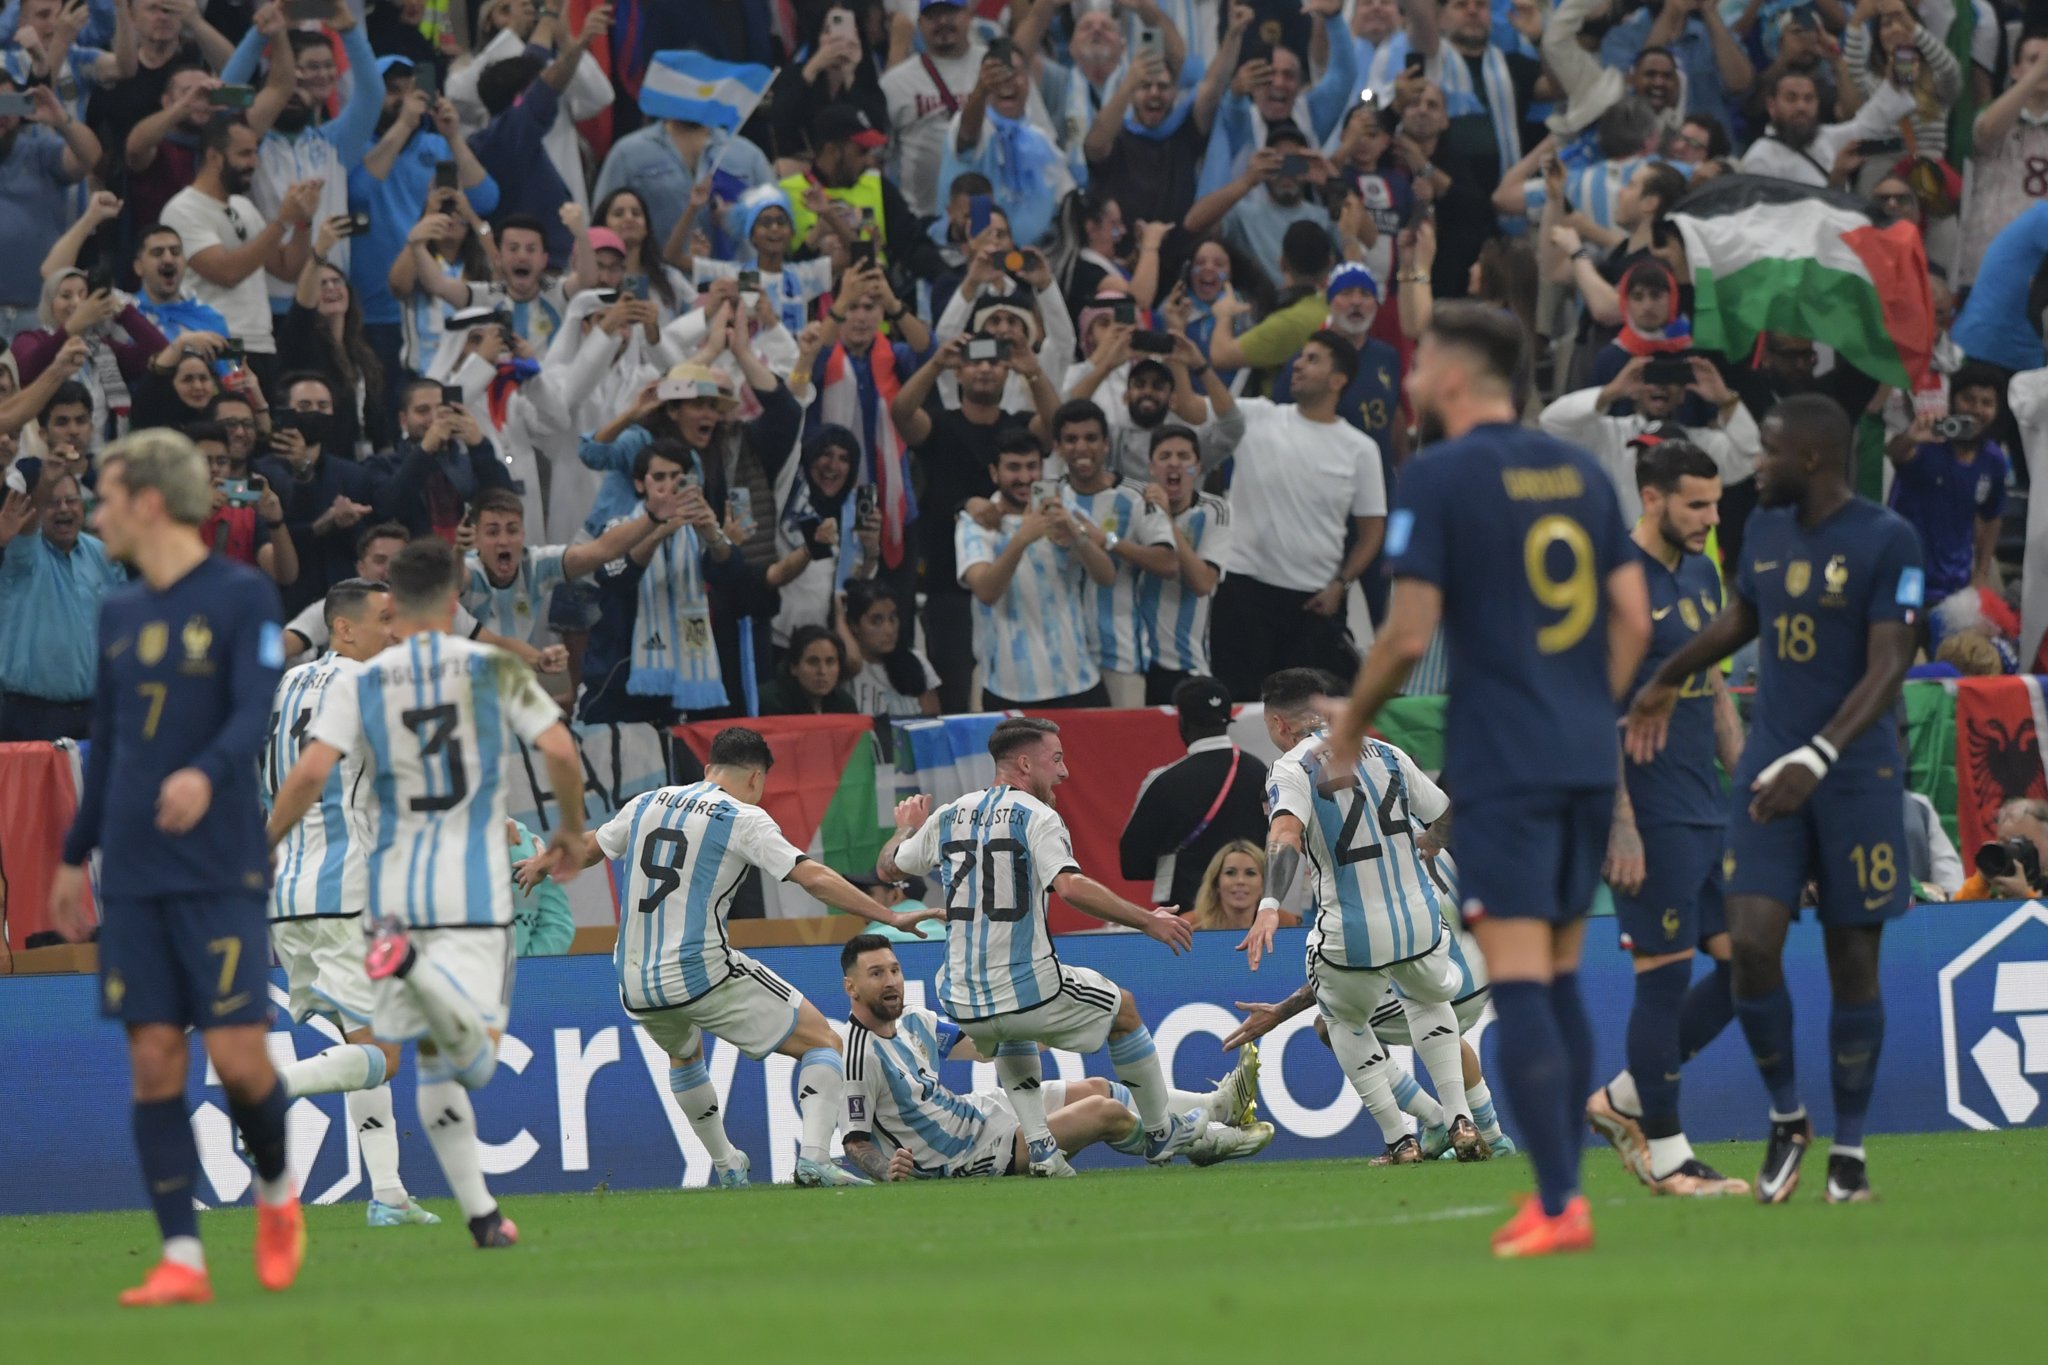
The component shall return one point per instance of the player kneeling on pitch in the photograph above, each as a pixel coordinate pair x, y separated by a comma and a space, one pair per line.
902, 1123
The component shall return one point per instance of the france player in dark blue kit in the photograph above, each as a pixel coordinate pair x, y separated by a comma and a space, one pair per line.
1514, 542
1834, 584
1664, 857
189, 658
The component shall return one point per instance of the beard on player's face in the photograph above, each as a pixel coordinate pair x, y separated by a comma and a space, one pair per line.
887, 1003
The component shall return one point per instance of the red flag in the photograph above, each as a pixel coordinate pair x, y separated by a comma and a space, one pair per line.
1999, 726
810, 753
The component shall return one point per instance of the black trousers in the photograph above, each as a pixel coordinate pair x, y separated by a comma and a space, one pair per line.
1256, 629
1097, 695
949, 644
27, 720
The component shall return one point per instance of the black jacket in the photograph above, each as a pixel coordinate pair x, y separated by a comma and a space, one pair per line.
1173, 802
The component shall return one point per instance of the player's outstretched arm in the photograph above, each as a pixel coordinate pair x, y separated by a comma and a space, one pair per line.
1261, 1020
1283, 865
301, 788
1091, 897
828, 886
584, 852
1649, 715
911, 814
1412, 615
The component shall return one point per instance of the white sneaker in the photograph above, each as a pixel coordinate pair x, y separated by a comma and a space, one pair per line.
1181, 1129
732, 1174
1224, 1143
1047, 1161
826, 1173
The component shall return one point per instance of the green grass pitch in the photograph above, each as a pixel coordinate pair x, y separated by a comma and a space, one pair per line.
1250, 1262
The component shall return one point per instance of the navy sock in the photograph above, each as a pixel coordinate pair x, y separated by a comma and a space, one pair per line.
1653, 1044
1767, 1023
1577, 1033
262, 1125
1855, 1037
1535, 1079
170, 1163
1708, 1007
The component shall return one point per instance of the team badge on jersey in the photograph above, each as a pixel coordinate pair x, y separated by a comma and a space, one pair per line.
1688, 614
150, 645
1835, 582
197, 637
1798, 574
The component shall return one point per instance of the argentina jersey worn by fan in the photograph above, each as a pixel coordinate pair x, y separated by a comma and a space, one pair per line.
1680, 786
519, 610
1033, 643
1519, 532
1817, 593
435, 716
686, 851
893, 1094
1175, 618
997, 853
320, 869
1112, 611
1376, 903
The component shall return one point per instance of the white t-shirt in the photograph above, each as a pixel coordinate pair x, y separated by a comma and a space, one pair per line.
1287, 521
874, 695
919, 117
203, 221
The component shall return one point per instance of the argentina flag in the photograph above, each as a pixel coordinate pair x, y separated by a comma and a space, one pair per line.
693, 88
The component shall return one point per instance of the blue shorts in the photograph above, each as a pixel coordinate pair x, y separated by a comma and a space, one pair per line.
1679, 905
1850, 837
1533, 855
199, 961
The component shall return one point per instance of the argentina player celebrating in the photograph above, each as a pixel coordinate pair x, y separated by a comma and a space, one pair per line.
686, 850
1001, 854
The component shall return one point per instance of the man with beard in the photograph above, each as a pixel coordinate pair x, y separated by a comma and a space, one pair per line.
1268, 94
1664, 854
444, 463
844, 196
1797, 146
1075, 94
1155, 388
392, 183
1717, 71
1584, 418
1271, 196
302, 143
53, 578
327, 496
1146, 145
532, 293
952, 445
1305, 479
228, 244
1372, 400
162, 151
1835, 586
1591, 88
166, 300
40, 159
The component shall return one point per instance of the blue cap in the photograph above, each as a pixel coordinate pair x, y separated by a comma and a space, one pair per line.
751, 205
1351, 275
384, 64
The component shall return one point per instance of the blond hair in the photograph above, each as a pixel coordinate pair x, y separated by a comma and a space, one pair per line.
1208, 912
163, 459
1972, 655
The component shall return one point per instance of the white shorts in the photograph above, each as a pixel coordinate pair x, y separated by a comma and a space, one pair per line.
753, 1009
995, 1146
1390, 1020
477, 961
1077, 1019
1351, 997
323, 965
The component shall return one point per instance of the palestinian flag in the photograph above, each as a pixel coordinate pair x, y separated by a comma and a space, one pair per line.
1772, 255
822, 791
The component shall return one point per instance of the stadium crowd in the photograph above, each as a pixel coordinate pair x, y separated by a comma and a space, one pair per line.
1000, 354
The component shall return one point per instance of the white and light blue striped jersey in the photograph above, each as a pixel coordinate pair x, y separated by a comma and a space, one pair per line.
1465, 954
519, 610
1375, 901
1112, 612
435, 716
997, 853
321, 869
1593, 189
893, 1094
1033, 643
423, 317
1176, 619
686, 851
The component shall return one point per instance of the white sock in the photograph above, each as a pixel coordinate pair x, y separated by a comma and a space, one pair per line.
1435, 1031
820, 1081
1621, 1093
450, 1121
1136, 1062
1368, 1067
1413, 1099
376, 1127
1667, 1154
1214, 1104
697, 1097
185, 1251
1023, 1078
351, 1066
1853, 1153
1482, 1110
452, 1018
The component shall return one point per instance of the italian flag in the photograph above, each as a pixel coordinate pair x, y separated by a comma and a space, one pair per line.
1771, 255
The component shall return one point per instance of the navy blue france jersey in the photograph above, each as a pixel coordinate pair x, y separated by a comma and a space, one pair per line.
1680, 786
1520, 532
186, 678
1816, 594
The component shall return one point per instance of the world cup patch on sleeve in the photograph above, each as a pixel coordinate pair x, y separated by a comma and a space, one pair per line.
1400, 526
270, 645
1912, 587
857, 1108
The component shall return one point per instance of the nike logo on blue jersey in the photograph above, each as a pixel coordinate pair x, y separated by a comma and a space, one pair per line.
1660, 615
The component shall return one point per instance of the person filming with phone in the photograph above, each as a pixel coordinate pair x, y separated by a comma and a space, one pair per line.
1949, 481
1656, 384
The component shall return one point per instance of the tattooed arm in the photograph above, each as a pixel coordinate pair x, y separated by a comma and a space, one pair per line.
1283, 865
